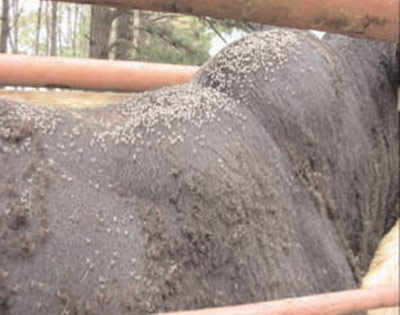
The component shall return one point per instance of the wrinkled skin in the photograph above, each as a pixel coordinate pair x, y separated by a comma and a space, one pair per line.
273, 174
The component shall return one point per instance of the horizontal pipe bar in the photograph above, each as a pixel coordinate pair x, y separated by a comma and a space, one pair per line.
374, 19
329, 304
92, 74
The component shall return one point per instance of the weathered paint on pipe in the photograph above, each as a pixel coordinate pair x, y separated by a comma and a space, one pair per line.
93, 74
329, 304
374, 19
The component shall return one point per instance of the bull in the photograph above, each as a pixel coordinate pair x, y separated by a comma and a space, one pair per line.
272, 174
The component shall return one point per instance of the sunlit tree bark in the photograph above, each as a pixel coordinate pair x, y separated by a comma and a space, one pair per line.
5, 26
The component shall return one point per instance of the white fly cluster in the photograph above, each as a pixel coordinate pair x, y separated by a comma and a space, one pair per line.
200, 102
39, 118
261, 52
157, 112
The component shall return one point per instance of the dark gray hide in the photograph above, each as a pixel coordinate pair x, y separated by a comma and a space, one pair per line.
273, 174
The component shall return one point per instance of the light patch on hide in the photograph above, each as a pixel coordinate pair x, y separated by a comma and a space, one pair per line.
384, 268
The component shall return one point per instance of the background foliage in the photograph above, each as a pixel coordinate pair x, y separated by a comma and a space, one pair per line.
74, 30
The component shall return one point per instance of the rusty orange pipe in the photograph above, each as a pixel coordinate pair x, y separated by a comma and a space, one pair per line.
93, 74
328, 304
374, 19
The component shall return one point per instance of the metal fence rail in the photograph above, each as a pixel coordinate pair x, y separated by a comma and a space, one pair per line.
328, 304
92, 74
375, 19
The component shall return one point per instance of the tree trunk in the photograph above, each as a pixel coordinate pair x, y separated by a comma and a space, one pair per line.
5, 26
69, 35
124, 38
75, 29
136, 28
47, 21
60, 23
84, 25
100, 31
16, 13
59, 34
38, 27
53, 30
